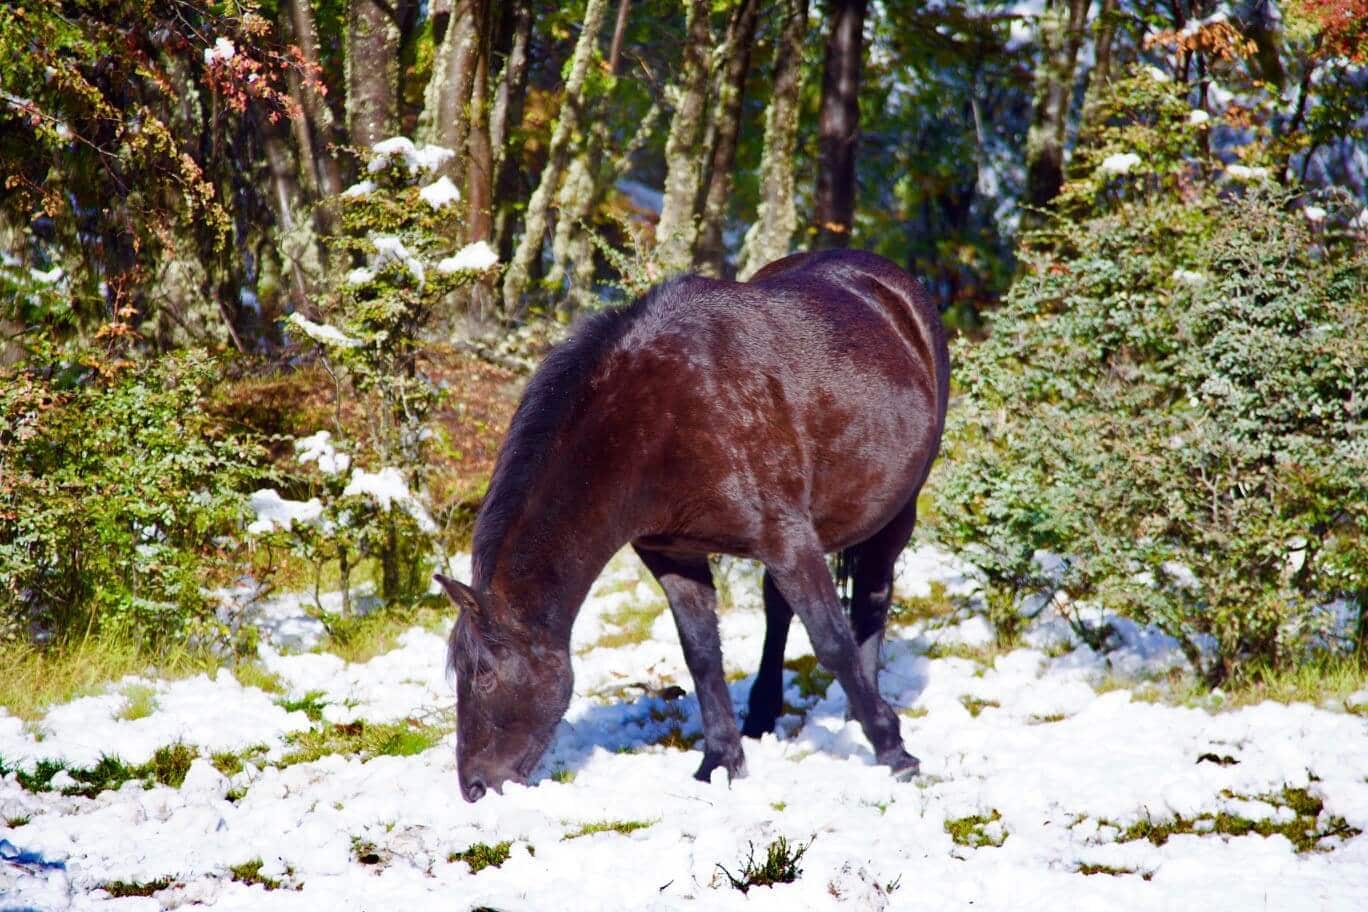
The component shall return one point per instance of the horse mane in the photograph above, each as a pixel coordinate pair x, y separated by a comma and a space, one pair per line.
555, 389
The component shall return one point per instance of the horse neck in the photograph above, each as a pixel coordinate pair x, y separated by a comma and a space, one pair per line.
556, 546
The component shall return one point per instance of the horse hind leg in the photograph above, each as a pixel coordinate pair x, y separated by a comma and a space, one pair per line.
767, 693
688, 586
873, 561
802, 576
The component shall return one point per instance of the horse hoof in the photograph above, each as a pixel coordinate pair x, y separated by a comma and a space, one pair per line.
903, 765
733, 762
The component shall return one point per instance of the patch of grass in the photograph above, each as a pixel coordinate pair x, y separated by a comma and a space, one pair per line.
365, 852
119, 889
1303, 831
915, 712
563, 776
480, 856
1046, 719
366, 740
1323, 678
311, 704
976, 705
249, 872
779, 805
33, 679
140, 701
983, 656
362, 638
780, 866
977, 831
254, 674
634, 622
15, 823
609, 826
230, 764
939, 603
1091, 869
812, 680
168, 766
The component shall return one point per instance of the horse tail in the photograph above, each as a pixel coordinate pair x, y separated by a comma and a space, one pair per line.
844, 573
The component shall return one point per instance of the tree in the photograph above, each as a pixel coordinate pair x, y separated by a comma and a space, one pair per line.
1061, 33
678, 226
777, 217
731, 89
839, 123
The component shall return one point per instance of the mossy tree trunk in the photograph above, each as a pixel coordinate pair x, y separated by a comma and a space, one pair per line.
1062, 30
444, 120
517, 276
838, 125
740, 37
372, 70
506, 115
678, 226
777, 217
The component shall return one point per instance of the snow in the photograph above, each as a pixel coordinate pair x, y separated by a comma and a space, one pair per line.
1197, 117
388, 488
416, 157
440, 192
322, 332
360, 189
1188, 277
1064, 768
360, 276
476, 257
1118, 163
389, 248
319, 448
223, 49
51, 277
275, 512
1314, 214
1246, 173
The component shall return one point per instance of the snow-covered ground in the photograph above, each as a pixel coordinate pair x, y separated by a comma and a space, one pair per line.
1033, 785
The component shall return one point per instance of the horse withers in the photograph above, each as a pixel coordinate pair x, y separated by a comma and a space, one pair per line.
780, 419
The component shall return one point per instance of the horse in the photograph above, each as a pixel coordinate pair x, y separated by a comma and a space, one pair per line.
779, 419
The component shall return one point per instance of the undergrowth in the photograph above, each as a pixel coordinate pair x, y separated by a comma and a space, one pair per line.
780, 866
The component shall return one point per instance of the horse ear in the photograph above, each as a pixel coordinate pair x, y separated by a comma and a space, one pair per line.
462, 595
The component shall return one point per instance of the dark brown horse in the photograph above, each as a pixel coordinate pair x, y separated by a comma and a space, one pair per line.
780, 419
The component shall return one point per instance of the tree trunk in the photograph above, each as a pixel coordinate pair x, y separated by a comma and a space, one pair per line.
507, 114
740, 37
839, 124
1060, 39
318, 127
447, 96
777, 217
678, 226
529, 247
480, 170
286, 197
1101, 70
372, 73
619, 32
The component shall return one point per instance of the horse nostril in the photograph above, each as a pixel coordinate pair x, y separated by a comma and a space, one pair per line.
474, 791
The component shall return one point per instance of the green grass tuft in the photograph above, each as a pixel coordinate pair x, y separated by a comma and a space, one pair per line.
812, 680
780, 866
364, 739
973, 831
254, 674
249, 872
610, 826
480, 856
119, 889
311, 704
976, 706
140, 701
1303, 831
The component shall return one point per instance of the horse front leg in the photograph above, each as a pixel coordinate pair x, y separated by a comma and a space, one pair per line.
687, 581
803, 578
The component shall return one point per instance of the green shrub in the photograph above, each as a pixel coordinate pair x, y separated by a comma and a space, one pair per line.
1175, 399
119, 499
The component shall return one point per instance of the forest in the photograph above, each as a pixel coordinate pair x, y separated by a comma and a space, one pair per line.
274, 273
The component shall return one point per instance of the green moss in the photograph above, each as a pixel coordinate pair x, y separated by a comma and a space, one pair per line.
610, 826
780, 866
973, 831
480, 856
